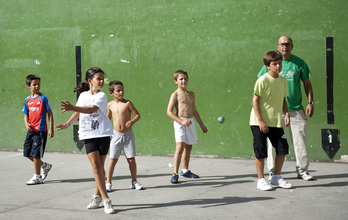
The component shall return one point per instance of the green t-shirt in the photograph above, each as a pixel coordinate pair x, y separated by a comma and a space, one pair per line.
294, 70
271, 92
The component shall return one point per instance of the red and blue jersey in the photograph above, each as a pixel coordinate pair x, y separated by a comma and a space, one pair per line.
36, 108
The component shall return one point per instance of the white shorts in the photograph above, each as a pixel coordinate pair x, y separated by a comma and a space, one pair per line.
187, 134
122, 141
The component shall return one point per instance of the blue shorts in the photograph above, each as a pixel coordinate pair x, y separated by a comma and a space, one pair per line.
35, 144
277, 138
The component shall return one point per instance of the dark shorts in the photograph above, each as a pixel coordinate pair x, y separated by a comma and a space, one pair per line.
98, 144
275, 135
35, 144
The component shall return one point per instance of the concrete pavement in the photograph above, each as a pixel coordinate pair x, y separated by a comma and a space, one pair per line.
226, 190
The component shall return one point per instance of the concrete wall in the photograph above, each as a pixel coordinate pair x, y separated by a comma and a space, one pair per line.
220, 43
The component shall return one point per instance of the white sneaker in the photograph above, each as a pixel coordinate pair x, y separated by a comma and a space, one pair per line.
305, 175
95, 201
136, 185
108, 187
45, 170
263, 185
35, 180
108, 207
281, 183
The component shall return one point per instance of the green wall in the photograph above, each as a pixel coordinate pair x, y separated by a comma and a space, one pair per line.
143, 42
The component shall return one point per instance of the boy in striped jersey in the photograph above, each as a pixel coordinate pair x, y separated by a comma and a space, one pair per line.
36, 110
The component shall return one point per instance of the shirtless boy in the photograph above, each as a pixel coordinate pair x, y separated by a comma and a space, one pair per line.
121, 110
184, 126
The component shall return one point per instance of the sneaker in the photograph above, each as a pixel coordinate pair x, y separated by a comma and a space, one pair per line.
95, 201
108, 207
45, 170
270, 176
175, 178
189, 174
136, 185
35, 180
108, 187
263, 185
305, 175
280, 182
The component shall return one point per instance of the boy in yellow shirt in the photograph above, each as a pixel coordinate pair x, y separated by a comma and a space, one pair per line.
268, 104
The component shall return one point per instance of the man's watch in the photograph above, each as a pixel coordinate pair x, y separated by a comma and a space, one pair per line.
312, 103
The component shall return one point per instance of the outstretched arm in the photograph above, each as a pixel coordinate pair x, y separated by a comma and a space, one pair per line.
72, 119
66, 106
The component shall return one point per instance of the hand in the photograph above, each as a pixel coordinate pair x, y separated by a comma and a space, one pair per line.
287, 120
129, 124
62, 126
204, 129
66, 106
51, 133
310, 110
28, 127
263, 127
186, 122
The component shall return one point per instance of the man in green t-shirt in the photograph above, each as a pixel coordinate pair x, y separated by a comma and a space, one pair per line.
295, 70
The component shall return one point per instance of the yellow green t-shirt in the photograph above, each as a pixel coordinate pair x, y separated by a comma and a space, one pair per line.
271, 92
294, 70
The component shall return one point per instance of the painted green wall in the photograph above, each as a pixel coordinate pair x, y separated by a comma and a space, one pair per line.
220, 43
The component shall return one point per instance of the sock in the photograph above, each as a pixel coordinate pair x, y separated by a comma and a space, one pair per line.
184, 170
276, 177
37, 175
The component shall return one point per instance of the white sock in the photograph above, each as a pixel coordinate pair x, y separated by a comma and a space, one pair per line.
184, 170
37, 176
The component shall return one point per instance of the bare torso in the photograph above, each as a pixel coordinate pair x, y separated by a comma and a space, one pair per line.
185, 103
121, 114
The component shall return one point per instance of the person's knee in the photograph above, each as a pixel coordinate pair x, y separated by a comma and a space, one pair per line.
96, 167
113, 161
131, 160
95, 162
179, 148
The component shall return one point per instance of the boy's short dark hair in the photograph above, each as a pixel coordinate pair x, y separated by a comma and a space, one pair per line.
270, 56
113, 84
178, 72
30, 78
